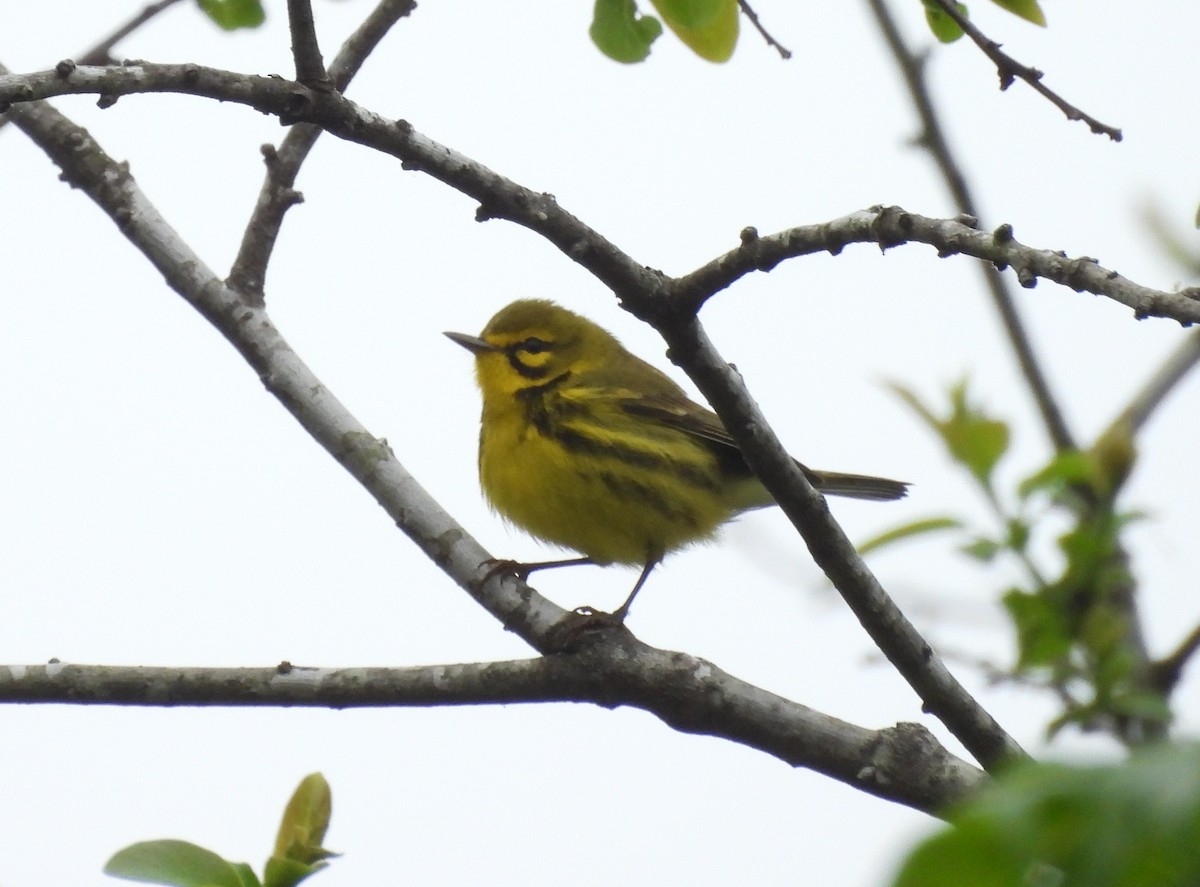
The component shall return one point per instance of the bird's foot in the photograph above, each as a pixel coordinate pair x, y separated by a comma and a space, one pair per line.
500, 566
582, 626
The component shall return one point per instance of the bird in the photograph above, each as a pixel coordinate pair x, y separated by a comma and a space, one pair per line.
584, 445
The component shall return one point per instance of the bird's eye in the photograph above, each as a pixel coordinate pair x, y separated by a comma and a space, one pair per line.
534, 345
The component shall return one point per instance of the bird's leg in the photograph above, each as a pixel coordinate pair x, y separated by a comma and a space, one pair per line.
522, 571
622, 611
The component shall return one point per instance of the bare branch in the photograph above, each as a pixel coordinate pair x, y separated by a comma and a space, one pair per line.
1167, 671
1010, 69
940, 693
100, 53
278, 194
502, 198
891, 226
1175, 368
649, 294
749, 12
310, 67
610, 661
933, 138
249, 329
904, 763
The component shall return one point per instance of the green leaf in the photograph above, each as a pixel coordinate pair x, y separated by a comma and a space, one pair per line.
696, 14
233, 14
288, 872
984, 550
245, 874
978, 856
620, 32
298, 850
1068, 468
708, 27
974, 439
1026, 9
906, 531
943, 27
1102, 469
1112, 458
1093, 567
1080, 715
1142, 705
1102, 632
178, 863
305, 821
917, 405
1043, 629
1135, 824
1018, 535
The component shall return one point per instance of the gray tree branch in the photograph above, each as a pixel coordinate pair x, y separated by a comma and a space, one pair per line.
904, 763
278, 193
306, 51
933, 138
101, 53
1010, 69
501, 198
669, 304
1178, 364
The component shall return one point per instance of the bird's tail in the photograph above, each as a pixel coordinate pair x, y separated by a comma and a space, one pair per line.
857, 486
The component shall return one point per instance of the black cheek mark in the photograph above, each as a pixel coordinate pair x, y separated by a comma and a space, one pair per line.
524, 369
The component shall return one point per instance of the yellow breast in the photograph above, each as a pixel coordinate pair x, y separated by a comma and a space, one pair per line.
602, 484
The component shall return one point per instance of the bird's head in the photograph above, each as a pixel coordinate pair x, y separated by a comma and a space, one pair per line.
534, 342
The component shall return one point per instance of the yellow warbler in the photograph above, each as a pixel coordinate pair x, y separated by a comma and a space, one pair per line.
586, 446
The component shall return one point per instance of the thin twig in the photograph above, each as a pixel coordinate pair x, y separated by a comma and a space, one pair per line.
540, 212
933, 138
100, 53
501, 198
903, 763
110, 185
939, 691
890, 226
645, 291
1167, 671
783, 51
1174, 369
1010, 69
310, 67
277, 195
607, 666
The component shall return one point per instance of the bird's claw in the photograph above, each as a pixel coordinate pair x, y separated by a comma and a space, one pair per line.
499, 566
580, 627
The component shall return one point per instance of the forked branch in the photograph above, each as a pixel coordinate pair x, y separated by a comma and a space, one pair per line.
1010, 70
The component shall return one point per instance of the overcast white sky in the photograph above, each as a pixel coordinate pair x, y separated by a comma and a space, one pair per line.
161, 508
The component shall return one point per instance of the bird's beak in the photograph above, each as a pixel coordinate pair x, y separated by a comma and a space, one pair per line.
474, 344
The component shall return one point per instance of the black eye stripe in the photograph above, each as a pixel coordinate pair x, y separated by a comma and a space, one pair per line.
529, 372
531, 346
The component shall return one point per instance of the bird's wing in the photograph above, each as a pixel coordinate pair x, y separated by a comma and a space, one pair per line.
641, 393
681, 414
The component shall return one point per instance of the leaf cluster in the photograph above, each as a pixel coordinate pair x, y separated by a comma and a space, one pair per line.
707, 27
230, 15
1073, 621
1134, 824
947, 30
298, 851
